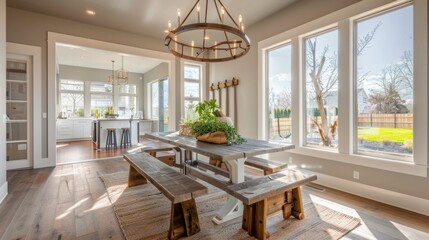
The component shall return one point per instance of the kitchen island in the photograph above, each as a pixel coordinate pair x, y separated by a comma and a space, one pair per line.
99, 132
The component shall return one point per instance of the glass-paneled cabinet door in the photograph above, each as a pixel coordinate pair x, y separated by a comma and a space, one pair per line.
18, 85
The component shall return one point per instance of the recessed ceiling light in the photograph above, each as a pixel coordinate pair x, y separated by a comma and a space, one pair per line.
90, 12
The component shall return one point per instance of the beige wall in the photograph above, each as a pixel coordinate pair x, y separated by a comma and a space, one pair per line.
246, 69
31, 28
2, 94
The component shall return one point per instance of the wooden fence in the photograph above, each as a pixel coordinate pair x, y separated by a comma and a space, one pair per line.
386, 120
364, 120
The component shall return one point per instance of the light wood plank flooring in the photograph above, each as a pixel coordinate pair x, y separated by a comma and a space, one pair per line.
69, 202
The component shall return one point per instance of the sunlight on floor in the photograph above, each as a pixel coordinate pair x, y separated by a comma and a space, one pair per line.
102, 202
406, 231
62, 145
71, 209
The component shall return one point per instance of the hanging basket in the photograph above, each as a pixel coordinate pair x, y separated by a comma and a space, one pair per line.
214, 137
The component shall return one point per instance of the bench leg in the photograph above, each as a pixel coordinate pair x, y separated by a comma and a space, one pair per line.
183, 220
255, 220
298, 207
135, 178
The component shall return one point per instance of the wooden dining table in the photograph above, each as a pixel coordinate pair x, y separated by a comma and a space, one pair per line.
233, 156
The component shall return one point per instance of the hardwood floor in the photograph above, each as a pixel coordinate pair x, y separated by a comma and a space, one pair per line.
78, 151
69, 202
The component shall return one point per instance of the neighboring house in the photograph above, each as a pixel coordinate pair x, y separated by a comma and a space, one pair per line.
331, 102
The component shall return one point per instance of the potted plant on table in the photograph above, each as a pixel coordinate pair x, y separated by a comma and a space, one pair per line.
212, 126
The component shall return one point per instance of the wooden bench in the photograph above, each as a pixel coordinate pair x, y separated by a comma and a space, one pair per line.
162, 151
180, 189
263, 196
268, 166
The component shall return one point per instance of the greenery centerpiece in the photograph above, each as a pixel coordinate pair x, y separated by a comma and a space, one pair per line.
212, 126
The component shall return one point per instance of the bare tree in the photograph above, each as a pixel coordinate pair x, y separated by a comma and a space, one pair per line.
324, 76
284, 99
388, 99
406, 69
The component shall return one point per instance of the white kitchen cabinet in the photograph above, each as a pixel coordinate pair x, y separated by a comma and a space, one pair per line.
70, 129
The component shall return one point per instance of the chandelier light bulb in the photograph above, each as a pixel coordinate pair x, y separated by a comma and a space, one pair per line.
222, 12
240, 18
169, 25
178, 16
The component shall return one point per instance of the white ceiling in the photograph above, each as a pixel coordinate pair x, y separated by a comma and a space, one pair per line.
101, 59
147, 17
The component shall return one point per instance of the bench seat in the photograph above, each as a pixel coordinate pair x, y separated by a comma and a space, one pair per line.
164, 152
180, 189
266, 165
269, 194
263, 196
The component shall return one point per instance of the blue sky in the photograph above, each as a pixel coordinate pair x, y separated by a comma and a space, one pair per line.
391, 40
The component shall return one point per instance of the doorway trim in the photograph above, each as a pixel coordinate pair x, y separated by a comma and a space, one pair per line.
54, 38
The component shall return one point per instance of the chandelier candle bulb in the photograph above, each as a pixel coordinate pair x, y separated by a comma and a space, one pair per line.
169, 25
240, 20
242, 27
178, 16
198, 12
222, 11
215, 49
192, 48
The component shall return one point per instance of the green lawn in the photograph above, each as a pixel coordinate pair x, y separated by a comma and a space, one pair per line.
392, 134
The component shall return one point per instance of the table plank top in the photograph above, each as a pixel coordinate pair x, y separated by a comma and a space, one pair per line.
221, 152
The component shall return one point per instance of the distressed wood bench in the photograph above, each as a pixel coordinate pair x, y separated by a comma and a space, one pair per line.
269, 194
180, 189
263, 196
164, 152
268, 166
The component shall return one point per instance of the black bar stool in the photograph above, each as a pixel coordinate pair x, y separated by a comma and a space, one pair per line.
111, 138
125, 138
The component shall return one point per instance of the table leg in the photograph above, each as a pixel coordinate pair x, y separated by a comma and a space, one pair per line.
233, 207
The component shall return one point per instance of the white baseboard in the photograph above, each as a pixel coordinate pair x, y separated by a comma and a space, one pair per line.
3, 191
411, 203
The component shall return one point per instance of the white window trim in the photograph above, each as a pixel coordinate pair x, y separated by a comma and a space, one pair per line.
344, 20
202, 82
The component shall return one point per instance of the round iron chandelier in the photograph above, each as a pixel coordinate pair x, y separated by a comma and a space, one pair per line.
217, 37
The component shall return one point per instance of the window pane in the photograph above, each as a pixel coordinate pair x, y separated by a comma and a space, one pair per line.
127, 106
322, 89
71, 85
189, 109
155, 100
100, 102
192, 72
101, 87
384, 82
279, 85
128, 88
192, 89
72, 104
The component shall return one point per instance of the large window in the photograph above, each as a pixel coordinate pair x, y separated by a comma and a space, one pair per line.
384, 83
321, 75
192, 86
72, 98
279, 95
127, 100
359, 86
159, 103
101, 96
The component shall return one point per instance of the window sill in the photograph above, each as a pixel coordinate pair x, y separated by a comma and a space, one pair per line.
403, 167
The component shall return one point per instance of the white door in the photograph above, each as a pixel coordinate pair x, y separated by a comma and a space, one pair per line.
19, 111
